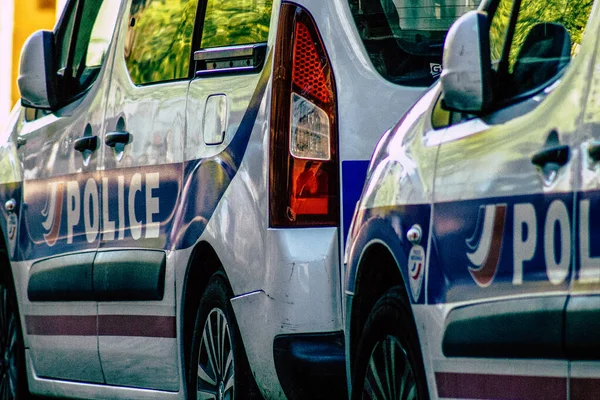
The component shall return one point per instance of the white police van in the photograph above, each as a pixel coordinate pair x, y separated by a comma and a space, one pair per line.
473, 264
176, 188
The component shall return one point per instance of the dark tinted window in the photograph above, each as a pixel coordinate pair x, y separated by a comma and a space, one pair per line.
405, 38
236, 22
547, 34
64, 36
158, 45
82, 45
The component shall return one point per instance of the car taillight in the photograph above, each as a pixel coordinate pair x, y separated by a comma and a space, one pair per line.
304, 171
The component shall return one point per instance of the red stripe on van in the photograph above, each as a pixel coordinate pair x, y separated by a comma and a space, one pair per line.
61, 325
104, 325
136, 325
483, 386
584, 388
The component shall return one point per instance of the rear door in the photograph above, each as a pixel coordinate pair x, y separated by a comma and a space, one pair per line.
504, 212
61, 192
223, 101
142, 171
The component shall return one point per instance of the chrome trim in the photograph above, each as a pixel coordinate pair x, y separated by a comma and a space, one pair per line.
221, 53
10, 205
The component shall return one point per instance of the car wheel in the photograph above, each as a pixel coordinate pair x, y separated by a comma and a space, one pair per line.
218, 364
389, 364
13, 380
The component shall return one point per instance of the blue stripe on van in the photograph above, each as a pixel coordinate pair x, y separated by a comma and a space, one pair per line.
66, 214
354, 173
206, 180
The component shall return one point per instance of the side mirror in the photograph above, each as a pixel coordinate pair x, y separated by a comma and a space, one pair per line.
466, 64
37, 80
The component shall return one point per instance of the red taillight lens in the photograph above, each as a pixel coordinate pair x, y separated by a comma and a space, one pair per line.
304, 172
307, 72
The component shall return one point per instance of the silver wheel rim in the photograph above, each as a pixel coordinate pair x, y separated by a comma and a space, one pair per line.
389, 375
215, 359
8, 348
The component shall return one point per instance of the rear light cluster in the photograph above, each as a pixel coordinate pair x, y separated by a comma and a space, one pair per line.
304, 172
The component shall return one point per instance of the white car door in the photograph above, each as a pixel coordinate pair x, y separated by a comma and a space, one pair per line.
504, 213
582, 310
61, 195
142, 170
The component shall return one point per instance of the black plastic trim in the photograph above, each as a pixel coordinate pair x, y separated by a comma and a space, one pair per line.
49, 66
118, 275
129, 275
518, 328
311, 366
558, 154
113, 138
486, 63
582, 326
207, 64
86, 143
65, 278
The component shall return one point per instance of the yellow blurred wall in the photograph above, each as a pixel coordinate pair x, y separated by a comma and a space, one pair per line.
29, 16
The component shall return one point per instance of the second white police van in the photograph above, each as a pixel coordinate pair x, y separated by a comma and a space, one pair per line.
473, 261
177, 184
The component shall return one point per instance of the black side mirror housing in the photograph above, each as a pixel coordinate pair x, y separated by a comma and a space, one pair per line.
37, 80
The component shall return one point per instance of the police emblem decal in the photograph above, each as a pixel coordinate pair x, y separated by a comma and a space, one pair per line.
416, 270
484, 247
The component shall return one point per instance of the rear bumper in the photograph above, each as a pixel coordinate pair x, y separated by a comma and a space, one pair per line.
311, 366
300, 296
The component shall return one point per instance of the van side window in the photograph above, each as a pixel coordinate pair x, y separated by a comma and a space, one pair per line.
101, 34
64, 34
158, 46
405, 38
82, 42
236, 22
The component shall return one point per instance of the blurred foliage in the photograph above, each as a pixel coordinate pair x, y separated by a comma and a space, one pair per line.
236, 22
498, 29
572, 14
159, 40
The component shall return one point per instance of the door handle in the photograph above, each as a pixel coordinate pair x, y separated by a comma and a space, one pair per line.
113, 138
556, 154
594, 150
86, 143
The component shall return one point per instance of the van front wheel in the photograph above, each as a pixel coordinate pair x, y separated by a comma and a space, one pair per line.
389, 364
13, 380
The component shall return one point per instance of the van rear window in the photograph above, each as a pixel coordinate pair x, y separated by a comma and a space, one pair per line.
405, 38
236, 22
158, 45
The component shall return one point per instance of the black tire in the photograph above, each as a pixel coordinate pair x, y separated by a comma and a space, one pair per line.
13, 377
389, 338
227, 375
